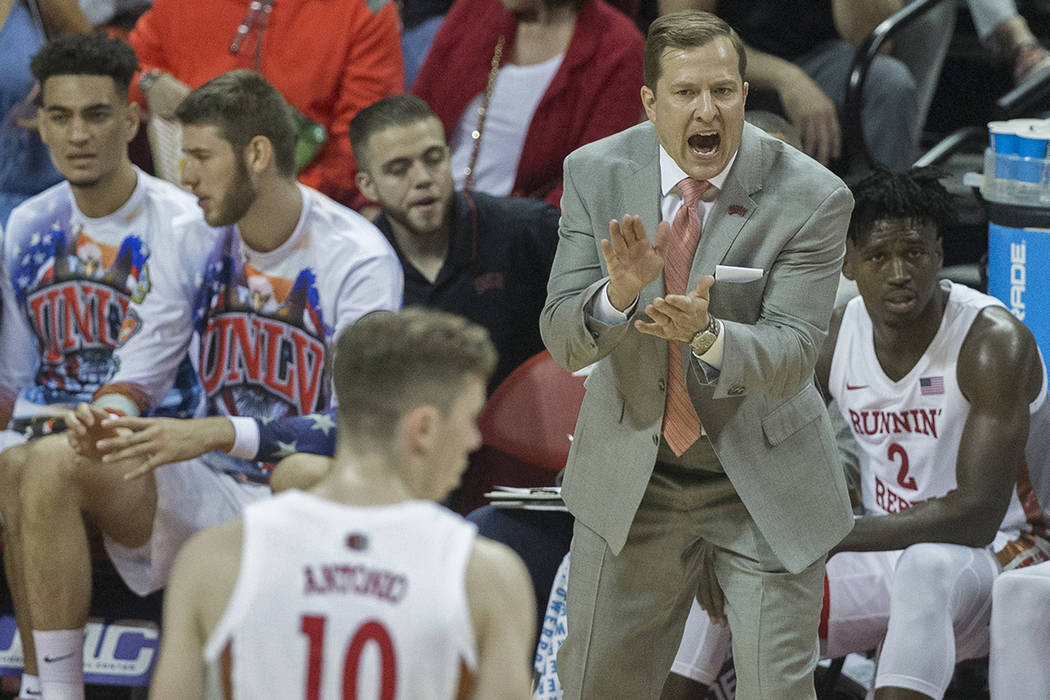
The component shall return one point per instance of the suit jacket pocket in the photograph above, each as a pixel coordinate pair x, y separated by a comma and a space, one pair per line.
789, 417
738, 301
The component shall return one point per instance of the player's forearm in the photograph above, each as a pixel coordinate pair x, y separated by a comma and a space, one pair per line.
314, 433
947, 520
214, 434
123, 398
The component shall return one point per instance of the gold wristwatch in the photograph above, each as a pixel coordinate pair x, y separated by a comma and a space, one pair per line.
705, 337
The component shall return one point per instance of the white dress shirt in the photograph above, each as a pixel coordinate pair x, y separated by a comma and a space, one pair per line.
671, 199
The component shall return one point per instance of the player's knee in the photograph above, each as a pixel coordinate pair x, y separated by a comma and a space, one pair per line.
299, 471
1014, 594
12, 463
49, 479
927, 570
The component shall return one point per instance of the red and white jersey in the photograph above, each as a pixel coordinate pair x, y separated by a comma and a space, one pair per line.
336, 601
909, 431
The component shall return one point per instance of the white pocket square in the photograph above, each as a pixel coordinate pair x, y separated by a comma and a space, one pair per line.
728, 273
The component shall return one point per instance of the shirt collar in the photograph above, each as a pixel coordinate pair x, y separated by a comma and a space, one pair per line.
671, 174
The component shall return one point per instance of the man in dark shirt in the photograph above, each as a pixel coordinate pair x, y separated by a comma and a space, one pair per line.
483, 257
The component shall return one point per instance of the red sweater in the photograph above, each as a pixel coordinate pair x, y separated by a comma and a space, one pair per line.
329, 58
595, 92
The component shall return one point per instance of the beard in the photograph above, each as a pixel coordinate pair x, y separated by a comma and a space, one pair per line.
238, 200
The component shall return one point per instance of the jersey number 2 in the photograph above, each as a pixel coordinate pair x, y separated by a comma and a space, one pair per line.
372, 631
903, 479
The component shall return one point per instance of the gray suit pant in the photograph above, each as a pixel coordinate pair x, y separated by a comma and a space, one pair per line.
626, 612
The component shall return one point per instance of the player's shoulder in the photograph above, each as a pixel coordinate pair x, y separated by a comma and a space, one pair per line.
211, 550
495, 563
166, 197
996, 342
42, 210
499, 589
177, 209
334, 226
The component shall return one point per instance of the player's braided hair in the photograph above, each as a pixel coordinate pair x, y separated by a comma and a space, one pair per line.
917, 194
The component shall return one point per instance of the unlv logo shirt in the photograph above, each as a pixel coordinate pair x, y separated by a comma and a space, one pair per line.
70, 282
263, 338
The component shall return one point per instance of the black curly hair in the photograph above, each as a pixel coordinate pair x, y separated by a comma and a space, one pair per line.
86, 54
916, 194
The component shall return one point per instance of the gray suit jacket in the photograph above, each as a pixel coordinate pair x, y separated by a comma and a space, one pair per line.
779, 211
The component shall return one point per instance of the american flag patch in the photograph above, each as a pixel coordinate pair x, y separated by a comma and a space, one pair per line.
931, 386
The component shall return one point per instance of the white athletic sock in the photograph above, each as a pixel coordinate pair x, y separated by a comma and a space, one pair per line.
30, 687
60, 663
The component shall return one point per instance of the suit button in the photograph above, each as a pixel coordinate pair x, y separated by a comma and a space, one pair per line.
656, 438
736, 390
662, 384
594, 334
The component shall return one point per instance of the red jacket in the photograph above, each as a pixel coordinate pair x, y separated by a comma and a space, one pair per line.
595, 93
329, 58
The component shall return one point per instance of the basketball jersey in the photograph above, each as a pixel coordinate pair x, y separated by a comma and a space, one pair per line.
908, 432
69, 281
336, 601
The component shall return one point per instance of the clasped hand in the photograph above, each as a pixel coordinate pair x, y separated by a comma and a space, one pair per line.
633, 262
151, 442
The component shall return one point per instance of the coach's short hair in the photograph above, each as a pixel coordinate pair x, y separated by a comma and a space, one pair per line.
397, 110
688, 29
86, 54
391, 362
244, 105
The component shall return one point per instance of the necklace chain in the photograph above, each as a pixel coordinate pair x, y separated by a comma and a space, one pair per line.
497, 57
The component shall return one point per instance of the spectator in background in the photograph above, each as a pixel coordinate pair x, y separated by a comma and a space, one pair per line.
328, 59
484, 257
25, 168
420, 20
803, 50
115, 16
1001, 27
548, 75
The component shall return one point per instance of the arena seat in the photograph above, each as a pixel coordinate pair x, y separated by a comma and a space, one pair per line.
526, 430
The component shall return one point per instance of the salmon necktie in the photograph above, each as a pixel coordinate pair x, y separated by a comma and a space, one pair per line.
681, 424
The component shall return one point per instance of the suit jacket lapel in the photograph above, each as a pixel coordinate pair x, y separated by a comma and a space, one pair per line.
643, 198
721, 228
